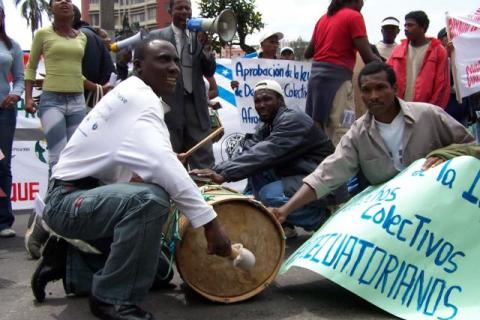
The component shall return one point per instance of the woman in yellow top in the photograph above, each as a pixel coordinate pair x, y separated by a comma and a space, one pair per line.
62, 104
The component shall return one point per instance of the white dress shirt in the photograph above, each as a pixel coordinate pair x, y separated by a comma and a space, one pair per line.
124, 134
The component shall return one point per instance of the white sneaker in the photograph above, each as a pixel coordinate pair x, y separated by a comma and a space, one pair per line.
7, 233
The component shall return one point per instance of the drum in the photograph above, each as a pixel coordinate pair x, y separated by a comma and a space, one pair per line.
245, 221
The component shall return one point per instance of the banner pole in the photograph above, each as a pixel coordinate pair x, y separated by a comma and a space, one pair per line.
453, 61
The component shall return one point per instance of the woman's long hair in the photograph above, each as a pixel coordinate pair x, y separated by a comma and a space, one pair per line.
3, 34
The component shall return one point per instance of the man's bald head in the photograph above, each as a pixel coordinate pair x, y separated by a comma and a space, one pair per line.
156, 63
144, 46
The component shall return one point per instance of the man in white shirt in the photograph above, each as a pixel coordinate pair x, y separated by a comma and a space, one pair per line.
91, 196
390, 30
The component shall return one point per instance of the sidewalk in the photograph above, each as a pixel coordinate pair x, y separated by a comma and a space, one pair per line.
298, 294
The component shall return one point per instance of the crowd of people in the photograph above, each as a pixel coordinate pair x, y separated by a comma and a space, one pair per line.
112, 188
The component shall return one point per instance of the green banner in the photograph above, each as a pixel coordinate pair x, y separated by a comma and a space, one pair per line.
410, 246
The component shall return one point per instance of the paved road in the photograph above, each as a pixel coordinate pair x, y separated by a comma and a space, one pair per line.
298, 294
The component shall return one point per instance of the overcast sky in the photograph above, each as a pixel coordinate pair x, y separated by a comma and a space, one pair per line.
296, 18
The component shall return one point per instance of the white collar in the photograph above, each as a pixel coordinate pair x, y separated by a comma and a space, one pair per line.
166, 107
177, 30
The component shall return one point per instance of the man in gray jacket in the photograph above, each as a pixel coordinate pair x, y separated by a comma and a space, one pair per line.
388, 138
188, 121
285, 148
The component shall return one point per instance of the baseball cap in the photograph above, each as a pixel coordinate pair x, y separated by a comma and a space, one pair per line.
268, 33
286, 49
270, 85
390, 21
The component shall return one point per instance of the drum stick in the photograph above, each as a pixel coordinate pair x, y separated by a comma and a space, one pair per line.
207, 139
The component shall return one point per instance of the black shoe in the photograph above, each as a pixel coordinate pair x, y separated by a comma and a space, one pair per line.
109, 311
50, 267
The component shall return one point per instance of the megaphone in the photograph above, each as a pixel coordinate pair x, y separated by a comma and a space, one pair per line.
129, 42
225, 25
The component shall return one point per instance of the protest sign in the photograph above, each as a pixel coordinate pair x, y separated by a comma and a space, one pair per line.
292, 77
29, 172
408, 246
464, 32
228, 114
26, 120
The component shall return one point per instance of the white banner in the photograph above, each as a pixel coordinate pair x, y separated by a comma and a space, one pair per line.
30, 173
26, 120
409, 245
292, 77
464, 32
228, 114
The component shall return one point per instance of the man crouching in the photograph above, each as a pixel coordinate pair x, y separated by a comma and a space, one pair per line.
92, 199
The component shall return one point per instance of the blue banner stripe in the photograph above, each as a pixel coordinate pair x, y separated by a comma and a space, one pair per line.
251, 55
226, 95
224, 71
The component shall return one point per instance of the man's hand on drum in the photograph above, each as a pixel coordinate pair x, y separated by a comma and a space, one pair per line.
279, 213
208, 173
217, 240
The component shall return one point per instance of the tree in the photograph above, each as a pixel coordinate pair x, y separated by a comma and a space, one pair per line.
32, 11
248, 19
299, 47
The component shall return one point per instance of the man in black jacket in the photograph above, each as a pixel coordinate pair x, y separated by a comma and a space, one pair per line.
285, 148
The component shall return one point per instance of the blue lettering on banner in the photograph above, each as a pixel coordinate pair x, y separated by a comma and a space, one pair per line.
248, 116
301, 74
275, 71
447, 176
248, 91
383, 271
384, 194
291, 91
259, 71
468, 195
422, 239
419, 173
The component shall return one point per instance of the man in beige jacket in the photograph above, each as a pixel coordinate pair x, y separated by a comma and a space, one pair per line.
387, 139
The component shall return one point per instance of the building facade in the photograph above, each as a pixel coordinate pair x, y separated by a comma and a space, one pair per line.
149, 14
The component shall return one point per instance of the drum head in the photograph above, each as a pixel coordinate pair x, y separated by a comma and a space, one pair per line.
216, 278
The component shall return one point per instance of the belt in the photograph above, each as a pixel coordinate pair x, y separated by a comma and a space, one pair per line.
84, 183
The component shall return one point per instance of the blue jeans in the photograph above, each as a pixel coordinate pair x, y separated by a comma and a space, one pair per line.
269, 190
125, 218
60, 114
8, 120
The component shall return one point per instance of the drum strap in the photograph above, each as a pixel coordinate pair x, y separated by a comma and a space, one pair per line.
170, 244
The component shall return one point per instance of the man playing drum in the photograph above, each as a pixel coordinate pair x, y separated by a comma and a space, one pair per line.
285, 148
91, 196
